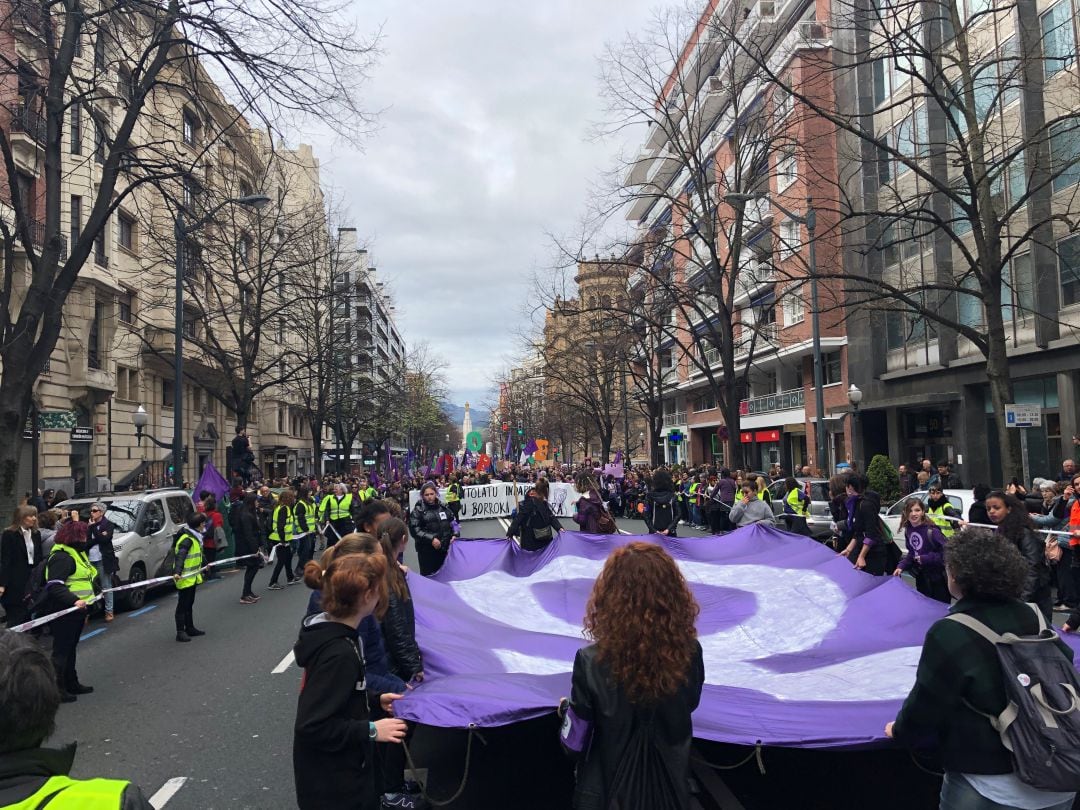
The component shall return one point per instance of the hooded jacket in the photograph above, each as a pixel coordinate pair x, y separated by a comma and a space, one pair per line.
928, 542
376, 661
533, 513
663, 498
332, 752
757, 511
866, 519
589, 507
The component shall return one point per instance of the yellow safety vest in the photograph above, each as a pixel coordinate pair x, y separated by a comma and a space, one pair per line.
289, 524
367, 493
65, 793
81, 582
947, 526
796, 503
303, 520
334, 509
192, 563
452, 495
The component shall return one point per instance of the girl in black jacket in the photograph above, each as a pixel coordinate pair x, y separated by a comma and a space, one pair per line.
244, 520
432, 530
333, 735
534, 521
20, 551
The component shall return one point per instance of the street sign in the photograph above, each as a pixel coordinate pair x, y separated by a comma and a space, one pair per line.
369, 462
1023, 416
82, 434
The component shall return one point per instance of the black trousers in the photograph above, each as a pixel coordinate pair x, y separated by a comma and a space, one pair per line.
283, 561
65, 633
338, 529
249, 580
209, 555
934, 586
185, 604
305, 551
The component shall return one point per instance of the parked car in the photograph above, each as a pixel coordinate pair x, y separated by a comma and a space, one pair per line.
961, 500
820, 520
145, 526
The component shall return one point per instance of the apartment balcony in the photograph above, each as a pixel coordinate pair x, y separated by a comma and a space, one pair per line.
772, 403
37, 237
27, 137
807, 35
675, 419
88, 377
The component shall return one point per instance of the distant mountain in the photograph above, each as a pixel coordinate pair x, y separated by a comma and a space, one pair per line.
457, 414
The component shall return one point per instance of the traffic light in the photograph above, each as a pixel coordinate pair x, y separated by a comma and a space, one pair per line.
520, 432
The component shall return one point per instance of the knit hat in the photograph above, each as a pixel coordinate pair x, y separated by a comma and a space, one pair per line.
72, 533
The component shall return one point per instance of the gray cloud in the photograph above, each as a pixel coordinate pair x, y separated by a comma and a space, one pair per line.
482, 150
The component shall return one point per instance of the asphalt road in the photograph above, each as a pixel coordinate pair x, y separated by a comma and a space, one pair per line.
209, 724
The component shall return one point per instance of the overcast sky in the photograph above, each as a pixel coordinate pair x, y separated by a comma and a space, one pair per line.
483, 149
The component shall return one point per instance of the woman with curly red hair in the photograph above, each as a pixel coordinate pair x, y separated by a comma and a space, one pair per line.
635, 687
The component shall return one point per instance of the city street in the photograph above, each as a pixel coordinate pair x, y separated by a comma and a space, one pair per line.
209, 724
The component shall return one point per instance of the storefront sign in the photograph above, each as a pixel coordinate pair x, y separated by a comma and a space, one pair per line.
1023, 416
767, 436
82, 434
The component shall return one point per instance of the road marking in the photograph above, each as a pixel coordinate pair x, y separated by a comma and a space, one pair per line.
141, 611
504, 523
91, 634
286, 662
167, 791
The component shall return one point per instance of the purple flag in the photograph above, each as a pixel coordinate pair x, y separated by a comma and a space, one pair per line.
506, 452
782, 668
211, 481
618, 458
374, 479
440, 463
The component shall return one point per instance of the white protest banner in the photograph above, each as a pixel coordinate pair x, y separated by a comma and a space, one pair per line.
497, 499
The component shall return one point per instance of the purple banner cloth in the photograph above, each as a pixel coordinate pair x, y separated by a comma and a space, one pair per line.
211, 481
800, 649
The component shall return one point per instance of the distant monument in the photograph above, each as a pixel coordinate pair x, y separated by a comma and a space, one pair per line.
466, 426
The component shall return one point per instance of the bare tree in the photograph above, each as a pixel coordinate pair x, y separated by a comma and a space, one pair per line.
118, 71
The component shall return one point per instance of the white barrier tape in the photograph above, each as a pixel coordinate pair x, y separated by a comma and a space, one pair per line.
146, 583
992, 526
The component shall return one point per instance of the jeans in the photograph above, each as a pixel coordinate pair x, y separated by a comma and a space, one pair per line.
106, 582
958, 794
695, 514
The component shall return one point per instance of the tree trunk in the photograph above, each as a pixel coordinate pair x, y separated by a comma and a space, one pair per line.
734, 460
15, 392
1001, 394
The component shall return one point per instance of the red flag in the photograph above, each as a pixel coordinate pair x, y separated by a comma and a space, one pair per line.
483, 463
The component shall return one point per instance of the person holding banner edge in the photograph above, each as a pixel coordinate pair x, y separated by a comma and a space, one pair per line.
431, 527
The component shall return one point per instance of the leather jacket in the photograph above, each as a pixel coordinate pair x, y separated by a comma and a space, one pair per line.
425, 524
399, 633
616, 723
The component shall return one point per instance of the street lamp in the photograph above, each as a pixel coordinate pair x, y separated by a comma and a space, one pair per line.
854, 396
810, 221
641, 443
181, 231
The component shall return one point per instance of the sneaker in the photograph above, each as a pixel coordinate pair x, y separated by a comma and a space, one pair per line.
192, 632
273, 586
254, 597
246, 600
182, 636
109, 616
403, 801
410, 786
293, 581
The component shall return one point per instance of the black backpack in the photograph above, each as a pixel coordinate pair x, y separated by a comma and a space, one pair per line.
1040, 726
37, 588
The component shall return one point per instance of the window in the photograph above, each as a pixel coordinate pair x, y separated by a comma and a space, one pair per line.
969, 305
885, 165
1059, 44
123, 306
1022, 294
785, 102
76, 128
100, 45
125, 86
1011, 72
179, 508
1069, 270
280, 420
1065, 154
244, 251
167, 393
192, 257
785, 169
100, 257
882, 76
905, 143
789, 238
76, 219
191, 191
894, 330
985, 88
794, 310
961, 220
101, 141
1018, 185
127, 232
127, 384
95, 344
191, 128
189, 325
830, 368
154, 514
706, 402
